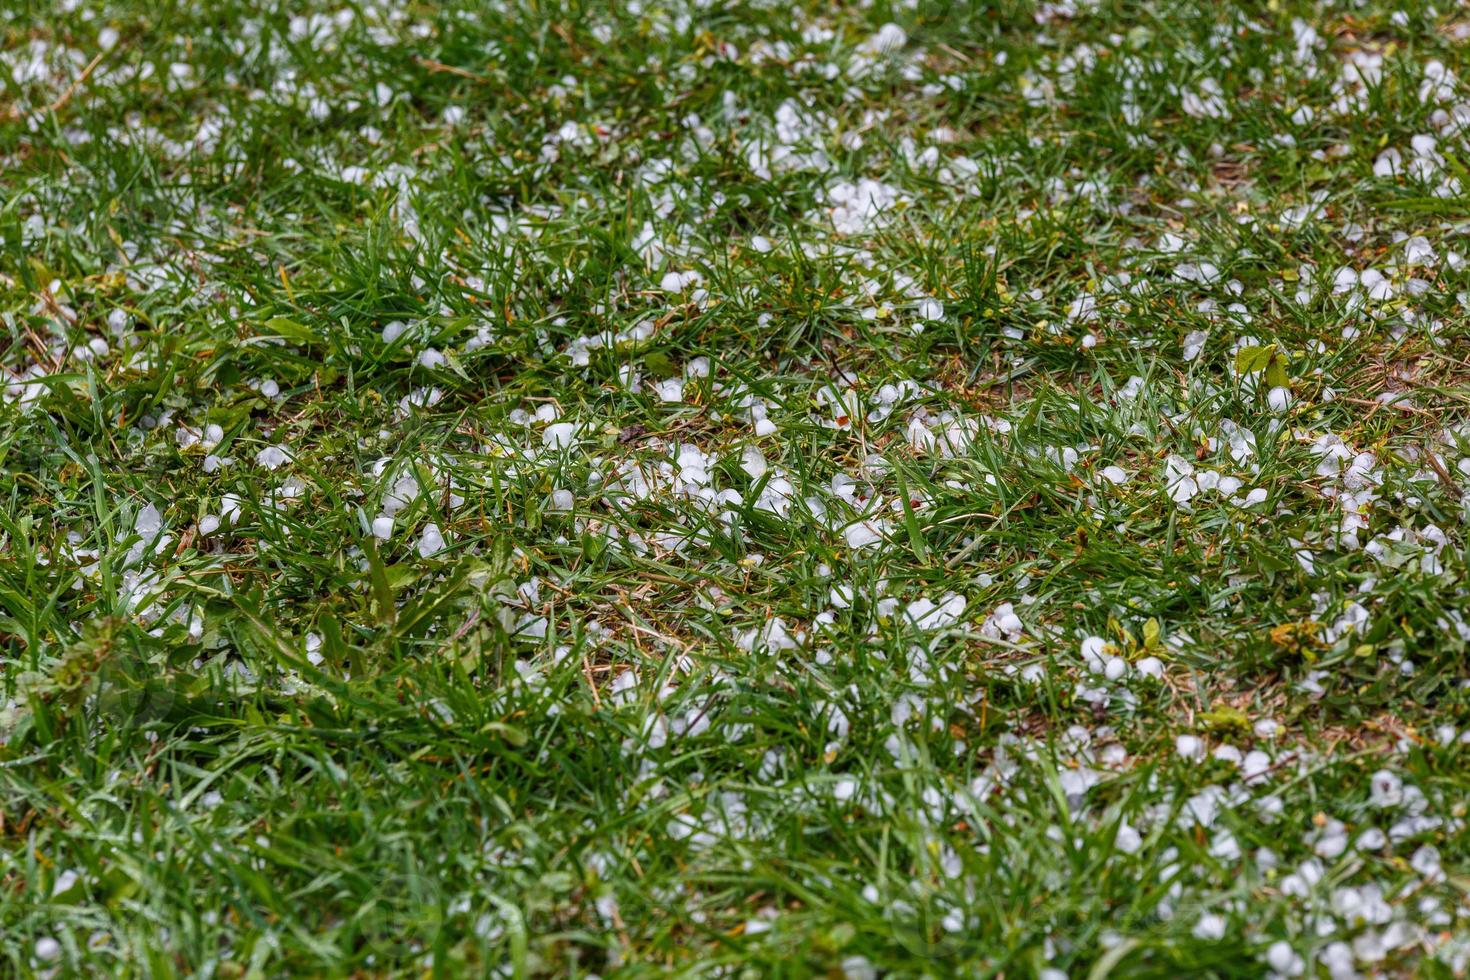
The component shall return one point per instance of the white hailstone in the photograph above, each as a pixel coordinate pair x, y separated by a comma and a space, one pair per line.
313, 648
772, 638
1203, 273
1426, 862
761, 244
1076, 782
208, 524
1378, 286
1115, 669
1006, 619
1256, 496
1284, 960
1344, 280
1151, 667
1331, 840
889, 38
753, 462
840, 596
671, 390
928, 615
1279, 399
1386, 789
1171, 244
1128, 840
1370, 946
271, 457
1418, 251
95, 348
1092, 654
229, 507
1210, 927
148, 522
648, 246
764, 427
1255, 765
1266, 728
403, 492
863, 534
1206, 103
1371, 839
392, 331
559, 435
290, 489
930, 309
678, 282
1179, 479
431, 541
845, 788
431, 359
1338, 959
562, 500
860, 207
1130, 390
1224, 846
1114, 474
1083, 309
47, 949
383, 528
1190, 747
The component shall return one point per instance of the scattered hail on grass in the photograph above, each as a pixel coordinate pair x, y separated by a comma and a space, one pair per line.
899, 489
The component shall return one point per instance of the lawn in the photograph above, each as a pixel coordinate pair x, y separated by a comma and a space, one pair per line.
741, 489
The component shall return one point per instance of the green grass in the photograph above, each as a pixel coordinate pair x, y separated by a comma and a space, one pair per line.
771, 620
